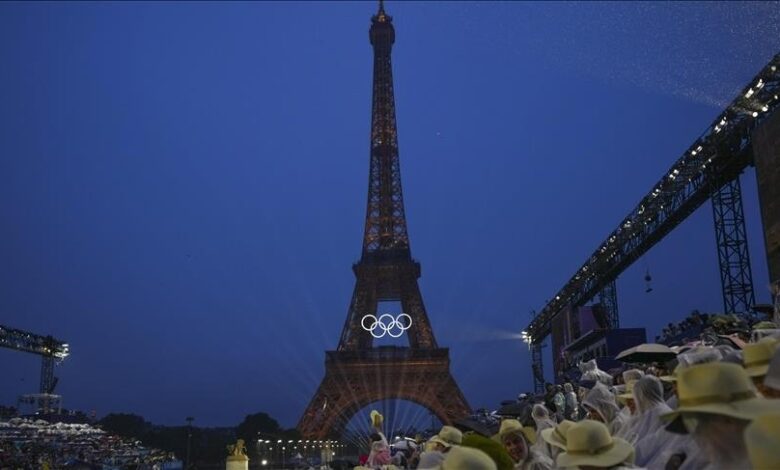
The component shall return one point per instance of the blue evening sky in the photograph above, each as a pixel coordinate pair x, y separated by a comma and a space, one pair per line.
183, 185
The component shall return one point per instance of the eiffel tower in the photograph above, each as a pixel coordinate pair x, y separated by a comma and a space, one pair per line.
357, 374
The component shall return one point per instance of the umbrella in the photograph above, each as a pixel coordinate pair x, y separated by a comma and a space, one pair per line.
648, 352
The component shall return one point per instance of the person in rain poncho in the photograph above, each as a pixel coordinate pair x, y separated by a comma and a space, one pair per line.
517, 440
627, 398
380, 450
542, 419
590, 371
560, 403
717, 402
601, 406
649, 398
570, 411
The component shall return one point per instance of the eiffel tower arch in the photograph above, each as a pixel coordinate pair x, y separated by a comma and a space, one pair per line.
357, 373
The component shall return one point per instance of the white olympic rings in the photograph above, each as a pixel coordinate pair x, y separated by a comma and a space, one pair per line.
387, 328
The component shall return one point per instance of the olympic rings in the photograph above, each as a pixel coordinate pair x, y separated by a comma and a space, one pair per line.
387, 328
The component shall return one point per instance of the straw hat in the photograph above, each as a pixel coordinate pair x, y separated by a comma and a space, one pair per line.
717, 388
772, 379
376, 418
463, 457
673, 376
557, 436
448, 436
762, 439
629, 392
756, 357
588, 443
509, 426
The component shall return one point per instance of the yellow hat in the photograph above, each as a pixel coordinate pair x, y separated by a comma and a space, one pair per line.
756, 357
629, 393
460, 458
762, 439
588, 443
717, 388
509, 426
673, 376
557, 436
376, 418
448, 436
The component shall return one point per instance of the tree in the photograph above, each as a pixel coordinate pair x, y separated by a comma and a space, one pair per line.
257, 423
125, 425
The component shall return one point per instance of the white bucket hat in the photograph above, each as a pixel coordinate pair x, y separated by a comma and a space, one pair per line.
448, 436
588, 443
717, 388
460, 458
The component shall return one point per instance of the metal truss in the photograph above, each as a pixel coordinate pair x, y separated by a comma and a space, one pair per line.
733, 256
608, 301
52, 350
717, 157
537, 365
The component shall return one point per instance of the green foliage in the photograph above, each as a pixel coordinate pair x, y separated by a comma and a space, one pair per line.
256, 424
495, 450
207, 445
125, 425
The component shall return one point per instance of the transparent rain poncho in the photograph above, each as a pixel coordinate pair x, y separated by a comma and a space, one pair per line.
601, 400
590, 371
632, 375
541, 417
649, 398
571, 401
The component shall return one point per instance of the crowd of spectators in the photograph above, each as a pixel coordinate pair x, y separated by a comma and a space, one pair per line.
690, 327
27, 444
714, 406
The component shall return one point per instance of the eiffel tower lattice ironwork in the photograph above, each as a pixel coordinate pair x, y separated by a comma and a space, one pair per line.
358, 374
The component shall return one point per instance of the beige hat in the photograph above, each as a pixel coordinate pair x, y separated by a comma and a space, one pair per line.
376, 418
772, 379
509, 426
448, 436
629, 392
756, 357
588, 443
762, 439
717, 388
557, 436
460, 458
673, 376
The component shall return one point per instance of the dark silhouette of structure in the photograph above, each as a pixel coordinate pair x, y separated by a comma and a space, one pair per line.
357, 374
51, 350
708, 170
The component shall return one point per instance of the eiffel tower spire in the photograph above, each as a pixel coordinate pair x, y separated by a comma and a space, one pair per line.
385, 230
